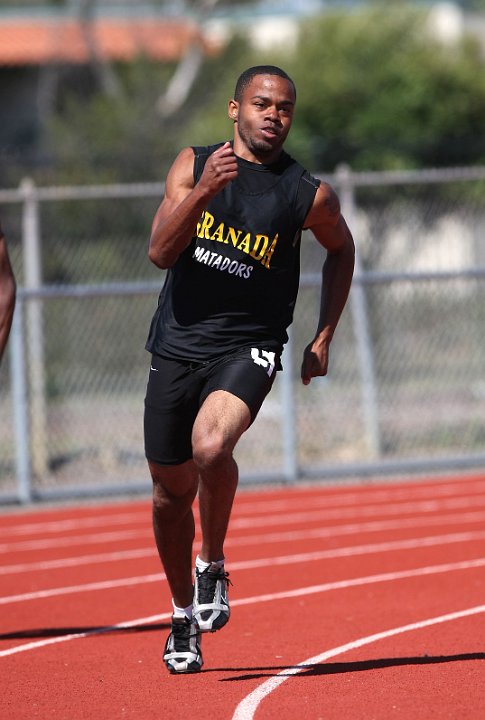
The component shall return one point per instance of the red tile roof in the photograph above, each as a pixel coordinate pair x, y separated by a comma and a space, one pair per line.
38, 42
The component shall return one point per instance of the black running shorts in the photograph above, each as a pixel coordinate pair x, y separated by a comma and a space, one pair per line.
176, 390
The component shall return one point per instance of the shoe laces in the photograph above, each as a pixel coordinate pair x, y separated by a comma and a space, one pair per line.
181, 635
207, 582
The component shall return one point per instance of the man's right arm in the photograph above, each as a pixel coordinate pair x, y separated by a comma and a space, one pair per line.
183, 203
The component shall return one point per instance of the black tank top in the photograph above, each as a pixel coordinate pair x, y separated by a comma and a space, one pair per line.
236, 283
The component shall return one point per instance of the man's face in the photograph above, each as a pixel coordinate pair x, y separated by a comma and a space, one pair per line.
263, 118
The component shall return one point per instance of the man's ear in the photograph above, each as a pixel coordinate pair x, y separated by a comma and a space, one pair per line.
233, 109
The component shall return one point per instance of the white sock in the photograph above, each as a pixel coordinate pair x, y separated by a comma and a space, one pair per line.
202, 565
182, 612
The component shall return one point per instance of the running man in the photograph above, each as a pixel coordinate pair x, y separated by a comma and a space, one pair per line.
228, 231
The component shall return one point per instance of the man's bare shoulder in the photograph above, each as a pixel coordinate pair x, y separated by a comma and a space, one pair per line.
181, 173
3, 249
6, 272
186, 155
327, 200
325, 208
184, 162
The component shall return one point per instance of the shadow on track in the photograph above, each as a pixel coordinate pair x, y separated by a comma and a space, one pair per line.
349, 667
36, 633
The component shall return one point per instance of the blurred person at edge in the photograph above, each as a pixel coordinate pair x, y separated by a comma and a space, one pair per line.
7, 293
228, 230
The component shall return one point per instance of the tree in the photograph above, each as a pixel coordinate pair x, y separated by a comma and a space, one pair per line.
187, 70
117, 128
472, 4
377, 91
95, 137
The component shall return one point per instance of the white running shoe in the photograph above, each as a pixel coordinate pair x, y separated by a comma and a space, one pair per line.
182, 652
211, 609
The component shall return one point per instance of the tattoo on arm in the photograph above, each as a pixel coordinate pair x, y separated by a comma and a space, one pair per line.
332, 204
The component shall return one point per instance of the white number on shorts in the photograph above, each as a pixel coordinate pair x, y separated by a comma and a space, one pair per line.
265, 358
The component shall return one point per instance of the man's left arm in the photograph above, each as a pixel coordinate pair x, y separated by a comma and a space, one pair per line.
330, 229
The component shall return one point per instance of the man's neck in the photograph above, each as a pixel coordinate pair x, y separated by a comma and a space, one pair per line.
259, 158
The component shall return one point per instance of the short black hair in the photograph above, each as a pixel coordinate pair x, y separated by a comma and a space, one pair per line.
246, 77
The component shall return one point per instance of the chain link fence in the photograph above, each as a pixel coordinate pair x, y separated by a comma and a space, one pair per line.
406, 386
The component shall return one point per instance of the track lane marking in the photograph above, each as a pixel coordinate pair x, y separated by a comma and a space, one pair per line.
391, 494
271, 597
422, 506
38, 544
97, 539
248, 707
472, 487
77, 561
352, 550
88, 587
353, 528
406, 544
56, 526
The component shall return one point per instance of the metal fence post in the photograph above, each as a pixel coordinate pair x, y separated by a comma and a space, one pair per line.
358, 303
288, 419
32, 259
20, 407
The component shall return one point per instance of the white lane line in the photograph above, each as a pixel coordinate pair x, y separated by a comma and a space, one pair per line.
248, 707
365, 505
245, 540
423, 506
297, 500
63, 525
103, 558
353, 528
98, 538
104, 537
88, 587
353, 550
124, 555
350, 529
98, 558
76, 636
271, 597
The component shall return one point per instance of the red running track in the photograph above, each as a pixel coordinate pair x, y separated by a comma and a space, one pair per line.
355, 602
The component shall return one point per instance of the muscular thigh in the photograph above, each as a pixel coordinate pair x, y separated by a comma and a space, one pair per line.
172, 402
232, 396
247, 374
223, 418
222, 397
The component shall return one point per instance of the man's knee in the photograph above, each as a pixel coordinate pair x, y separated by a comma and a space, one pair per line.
169, 508
210, 451
174, 490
